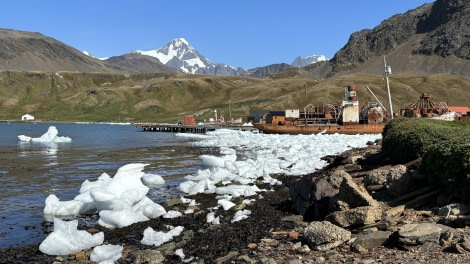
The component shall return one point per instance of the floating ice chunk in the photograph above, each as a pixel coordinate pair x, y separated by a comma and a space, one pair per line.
105, 200
226, 204
106, 253
61, 208
238, 190
210, 217
270, 180
128, 177
66, 239
120, 218
224, 196
228, 151
179, 253
152, 180
152, 237
212, 161
24, 138
122, 191
200, 175
103, 180
245, 181
191, 187
49, 137
149, 208
222, 174
88, 204
248, 201
172, 214
190, 202
240, 215
231, 166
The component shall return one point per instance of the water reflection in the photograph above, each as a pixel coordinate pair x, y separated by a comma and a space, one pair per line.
47, 151
31, 170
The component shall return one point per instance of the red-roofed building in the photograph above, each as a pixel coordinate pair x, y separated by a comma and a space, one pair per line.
463, 112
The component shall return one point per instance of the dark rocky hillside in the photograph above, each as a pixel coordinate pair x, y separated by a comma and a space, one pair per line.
433, 38
30, 51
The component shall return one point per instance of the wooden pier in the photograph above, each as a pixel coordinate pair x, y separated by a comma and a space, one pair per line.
156, 127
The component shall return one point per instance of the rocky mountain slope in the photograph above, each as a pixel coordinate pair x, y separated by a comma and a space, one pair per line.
433, 38
29, 51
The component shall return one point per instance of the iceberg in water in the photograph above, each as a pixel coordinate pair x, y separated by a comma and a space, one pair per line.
49, 137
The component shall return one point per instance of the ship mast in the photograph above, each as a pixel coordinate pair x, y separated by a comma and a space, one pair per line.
387, 71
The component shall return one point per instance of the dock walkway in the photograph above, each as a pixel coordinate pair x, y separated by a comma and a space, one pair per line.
157, 127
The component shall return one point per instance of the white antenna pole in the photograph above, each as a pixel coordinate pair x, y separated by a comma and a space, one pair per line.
386, 73
378, 101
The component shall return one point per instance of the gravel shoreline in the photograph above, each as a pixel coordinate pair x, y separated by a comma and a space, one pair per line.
273, 233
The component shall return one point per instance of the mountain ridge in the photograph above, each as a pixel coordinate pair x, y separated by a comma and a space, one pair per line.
432, 38
429, 39
33, 51
180, 55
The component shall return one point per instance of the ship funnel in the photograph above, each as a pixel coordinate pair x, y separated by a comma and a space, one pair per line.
351, 93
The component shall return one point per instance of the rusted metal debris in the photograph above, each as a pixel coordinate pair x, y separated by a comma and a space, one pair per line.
424, 107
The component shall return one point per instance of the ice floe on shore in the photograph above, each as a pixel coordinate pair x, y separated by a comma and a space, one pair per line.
243, 158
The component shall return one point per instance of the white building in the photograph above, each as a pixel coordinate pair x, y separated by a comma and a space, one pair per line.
27, 117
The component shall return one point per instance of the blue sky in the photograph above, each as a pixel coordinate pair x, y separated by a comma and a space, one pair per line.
240, 33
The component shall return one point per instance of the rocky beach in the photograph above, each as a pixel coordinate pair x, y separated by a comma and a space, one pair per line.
359, 209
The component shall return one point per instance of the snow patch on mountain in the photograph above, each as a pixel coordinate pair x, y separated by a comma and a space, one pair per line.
300, 62
180, 55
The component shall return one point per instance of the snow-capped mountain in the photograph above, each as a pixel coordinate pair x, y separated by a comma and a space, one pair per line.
300, 62
180, 55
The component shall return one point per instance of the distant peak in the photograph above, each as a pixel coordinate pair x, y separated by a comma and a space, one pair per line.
179, 41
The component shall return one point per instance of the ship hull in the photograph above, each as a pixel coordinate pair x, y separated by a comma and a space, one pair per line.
350, 129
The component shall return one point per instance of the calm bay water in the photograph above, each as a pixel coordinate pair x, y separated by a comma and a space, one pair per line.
29, 172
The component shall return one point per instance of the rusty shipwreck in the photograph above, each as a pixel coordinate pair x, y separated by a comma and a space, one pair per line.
349, 117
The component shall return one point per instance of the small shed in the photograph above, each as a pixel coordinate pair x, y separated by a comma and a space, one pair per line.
189, 120
27, 117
